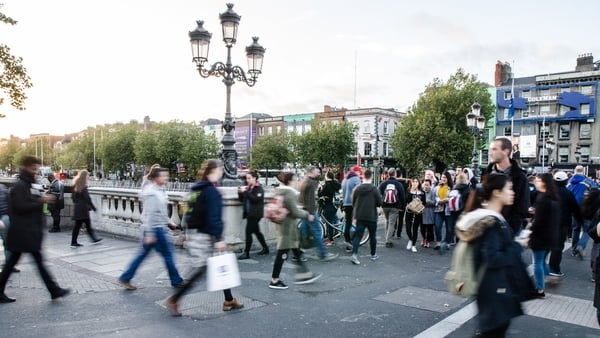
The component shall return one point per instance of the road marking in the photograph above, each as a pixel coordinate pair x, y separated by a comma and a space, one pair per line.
450, 323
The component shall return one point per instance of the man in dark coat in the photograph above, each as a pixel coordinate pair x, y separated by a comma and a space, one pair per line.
58, 190
501, 163
26, 230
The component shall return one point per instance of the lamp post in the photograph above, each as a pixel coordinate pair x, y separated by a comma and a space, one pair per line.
577, 154
476, 123
549, 149
200, 41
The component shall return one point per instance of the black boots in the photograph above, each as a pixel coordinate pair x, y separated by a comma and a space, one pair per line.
263, 252
244, 255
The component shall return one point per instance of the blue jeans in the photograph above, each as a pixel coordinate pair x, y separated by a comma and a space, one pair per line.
330, 213
3, 234
165, 248
360, 230
577, 230
315, 228
440, 220
540, 268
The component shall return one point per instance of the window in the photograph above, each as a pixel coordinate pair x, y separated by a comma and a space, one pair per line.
563, 154
525, 113
545, 92
586, 90
385, 128
270, 130
385, 149
526, 94
565, 89
585, 131
507, 95
564, 131
278, 129
290, 129
366, 126
585, 153
545, 110
261, 131
367, 149
505, 112
543, 154
485, 157
527, 129
563, 109
584, 108
485, 135
507, 131
307, 128
544, 131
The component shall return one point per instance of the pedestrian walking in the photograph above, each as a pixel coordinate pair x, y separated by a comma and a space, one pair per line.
155, 220
308, 200
545, 229
348, 184
393, 202
252, 197
326, 195
5, 223
442, 214
83, 205
517, 213
205, 217
504, 282
58, 190
569, 210
414, 220
288, 235
366, 198
580, 185
25, 234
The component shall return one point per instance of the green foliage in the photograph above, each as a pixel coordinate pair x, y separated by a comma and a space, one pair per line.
118, 147
8, 153
327, 144
197, 147
13, 78
270, 152
434, 134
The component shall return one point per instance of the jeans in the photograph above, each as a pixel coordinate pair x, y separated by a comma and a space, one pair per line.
4, 234
577, 230
315, 228
440, 220
391, 218
540, 268
165, 248
360, 230
330, 214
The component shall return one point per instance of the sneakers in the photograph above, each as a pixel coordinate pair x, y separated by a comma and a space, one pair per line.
409, 245
243, 256
295, 259
541, 294
374, 257
308, 280
97, 241
329, 257
76, 245
579, 253
263, 252
172, 306
127, 285
426, 245
413, 249
279, 285
354, 260
61, 293
348, 248
556, 274
233, 304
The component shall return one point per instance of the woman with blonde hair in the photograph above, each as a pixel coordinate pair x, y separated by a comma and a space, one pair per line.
83, 205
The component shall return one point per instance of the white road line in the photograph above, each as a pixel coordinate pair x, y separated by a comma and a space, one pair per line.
450, 323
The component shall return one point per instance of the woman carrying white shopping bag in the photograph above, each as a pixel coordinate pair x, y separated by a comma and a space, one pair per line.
204, 214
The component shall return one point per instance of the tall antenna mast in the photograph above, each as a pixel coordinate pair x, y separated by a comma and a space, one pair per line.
355, 62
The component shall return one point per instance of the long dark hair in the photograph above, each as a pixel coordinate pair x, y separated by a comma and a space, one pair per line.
551, 189
449, 179
206, 168
483, 191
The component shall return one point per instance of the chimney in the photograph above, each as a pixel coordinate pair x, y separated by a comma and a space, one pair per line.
499, 73
326, 108
585, 63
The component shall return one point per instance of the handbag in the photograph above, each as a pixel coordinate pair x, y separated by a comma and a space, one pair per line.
222, 272
415, 206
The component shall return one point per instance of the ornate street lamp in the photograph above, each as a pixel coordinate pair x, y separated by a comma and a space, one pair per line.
549, 149
476, 123
200, 41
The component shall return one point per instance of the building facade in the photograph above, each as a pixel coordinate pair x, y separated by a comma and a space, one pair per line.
555, 116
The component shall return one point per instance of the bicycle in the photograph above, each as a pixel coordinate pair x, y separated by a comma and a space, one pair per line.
340, 226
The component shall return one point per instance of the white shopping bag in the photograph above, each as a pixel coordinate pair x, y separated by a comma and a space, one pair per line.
222, 272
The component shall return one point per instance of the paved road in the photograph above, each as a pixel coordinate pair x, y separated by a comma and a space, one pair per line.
400, 295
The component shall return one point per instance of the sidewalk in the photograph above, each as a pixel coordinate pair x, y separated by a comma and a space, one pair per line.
400, 295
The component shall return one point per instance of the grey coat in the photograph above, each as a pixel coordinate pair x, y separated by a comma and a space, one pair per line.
287, 231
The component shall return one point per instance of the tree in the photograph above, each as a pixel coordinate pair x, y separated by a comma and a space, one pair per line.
434, 133
117, 150
8, 153
327, 144
13, 77
270, 152
197, 147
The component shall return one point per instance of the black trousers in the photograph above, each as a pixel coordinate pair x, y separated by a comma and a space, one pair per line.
556, 254
78, 224
252, 228
51, 285
413, 222
55, 212
186, 286
301, 267
348, 218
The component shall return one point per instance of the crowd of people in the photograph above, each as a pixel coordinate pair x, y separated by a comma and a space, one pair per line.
543, 212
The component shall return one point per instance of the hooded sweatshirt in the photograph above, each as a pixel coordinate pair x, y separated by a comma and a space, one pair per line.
472, 225
352, 181
155, 213
365, 200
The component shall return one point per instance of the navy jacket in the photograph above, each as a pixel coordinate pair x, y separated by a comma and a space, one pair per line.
212, 200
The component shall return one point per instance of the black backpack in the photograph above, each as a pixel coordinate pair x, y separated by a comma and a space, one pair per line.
195, 213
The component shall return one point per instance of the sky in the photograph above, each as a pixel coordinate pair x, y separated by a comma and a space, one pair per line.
97, 62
